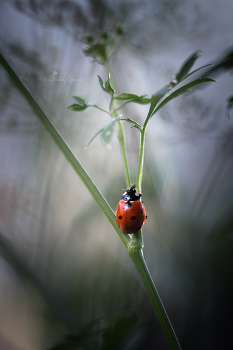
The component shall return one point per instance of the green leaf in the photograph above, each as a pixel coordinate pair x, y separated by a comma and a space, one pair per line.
98, 52
133, 98
180, 91
80, 100
141, 100
126, 96
106, 133
186, 66
101, 83
229, 106
108, 87
77, 107
93, 137
196, 70
81, 106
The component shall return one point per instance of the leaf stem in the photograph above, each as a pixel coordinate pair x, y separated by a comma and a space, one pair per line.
141, 159
120, 135
123, 152
102, 109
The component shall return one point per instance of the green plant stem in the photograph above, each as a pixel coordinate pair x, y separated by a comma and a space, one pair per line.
102, 109
136, 254
141, 159
141, 153
123, 152
120, 135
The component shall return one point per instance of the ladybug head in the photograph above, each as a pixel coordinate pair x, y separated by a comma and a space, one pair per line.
131, 194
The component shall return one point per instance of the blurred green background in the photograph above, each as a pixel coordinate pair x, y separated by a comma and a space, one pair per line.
62, 265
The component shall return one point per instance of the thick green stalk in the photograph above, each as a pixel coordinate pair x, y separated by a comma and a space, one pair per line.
136, 254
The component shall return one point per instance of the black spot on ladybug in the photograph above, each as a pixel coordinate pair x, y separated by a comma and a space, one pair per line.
120, 217
139, 228
142, 212
133, 218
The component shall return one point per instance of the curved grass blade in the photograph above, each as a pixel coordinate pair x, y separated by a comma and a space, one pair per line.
196, 70
69, 155
186, 66
180, 91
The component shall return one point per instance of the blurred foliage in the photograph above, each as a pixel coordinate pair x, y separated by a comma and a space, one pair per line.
125, 334
188, 237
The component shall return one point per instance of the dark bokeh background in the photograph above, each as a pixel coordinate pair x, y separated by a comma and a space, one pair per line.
61, 263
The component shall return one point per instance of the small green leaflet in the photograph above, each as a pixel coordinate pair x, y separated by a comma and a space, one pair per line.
77, 108
133, 98
126, 96
106, 133
107, 87
186, 66
80, 100
81, 106
97, 51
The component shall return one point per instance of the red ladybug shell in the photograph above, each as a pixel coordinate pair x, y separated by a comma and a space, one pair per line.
130, 216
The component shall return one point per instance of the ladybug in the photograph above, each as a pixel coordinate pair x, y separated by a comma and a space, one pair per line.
131, 213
